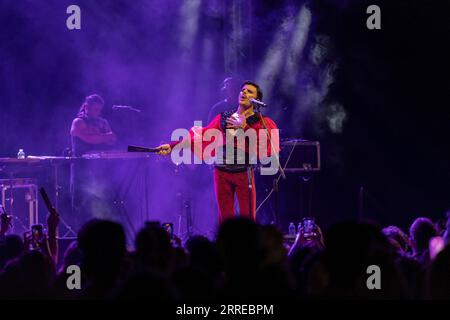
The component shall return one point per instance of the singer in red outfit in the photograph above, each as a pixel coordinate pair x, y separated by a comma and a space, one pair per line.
233, 177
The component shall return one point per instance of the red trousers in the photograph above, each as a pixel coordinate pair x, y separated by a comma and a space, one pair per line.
226, 185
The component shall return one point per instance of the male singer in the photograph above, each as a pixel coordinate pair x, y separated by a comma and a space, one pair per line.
233, 178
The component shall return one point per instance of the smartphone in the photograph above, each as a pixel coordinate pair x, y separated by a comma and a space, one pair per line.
37, 232
169, 228
309, 226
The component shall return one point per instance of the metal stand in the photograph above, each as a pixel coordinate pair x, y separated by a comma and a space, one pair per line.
275, 190
277, 157
276, 204
250, 189
57, 187
186, 212
30, 197
119, 198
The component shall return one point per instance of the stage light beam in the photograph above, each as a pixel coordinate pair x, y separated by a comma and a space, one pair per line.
298, 41
274, 58
189, 18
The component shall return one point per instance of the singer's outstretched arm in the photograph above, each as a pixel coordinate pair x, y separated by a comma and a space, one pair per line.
188, 140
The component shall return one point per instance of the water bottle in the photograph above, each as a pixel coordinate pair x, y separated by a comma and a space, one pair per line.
292, 229
20, 154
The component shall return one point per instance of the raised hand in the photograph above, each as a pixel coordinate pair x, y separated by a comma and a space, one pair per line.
5, 223
52, 222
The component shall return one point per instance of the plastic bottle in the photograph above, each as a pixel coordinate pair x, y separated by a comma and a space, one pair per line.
20, 154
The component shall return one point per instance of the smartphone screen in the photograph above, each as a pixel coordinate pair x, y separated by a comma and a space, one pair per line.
169, 228
37, 232
308, 225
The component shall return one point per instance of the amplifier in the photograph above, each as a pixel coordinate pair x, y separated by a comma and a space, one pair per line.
20, 199
300, 155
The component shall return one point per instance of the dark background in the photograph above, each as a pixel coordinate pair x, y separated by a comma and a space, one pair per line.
168, 58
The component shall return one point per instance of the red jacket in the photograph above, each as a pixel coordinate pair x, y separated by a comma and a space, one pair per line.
197, 134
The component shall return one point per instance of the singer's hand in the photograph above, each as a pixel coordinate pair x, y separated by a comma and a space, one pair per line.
234, 123
164, 149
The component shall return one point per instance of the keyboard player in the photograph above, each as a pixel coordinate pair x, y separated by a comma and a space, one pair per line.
91, 188
89, 130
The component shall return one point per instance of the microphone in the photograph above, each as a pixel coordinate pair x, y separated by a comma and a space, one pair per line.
259, 103
141, 149
119, 107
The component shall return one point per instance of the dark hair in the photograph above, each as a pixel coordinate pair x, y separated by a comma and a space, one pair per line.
102, 245
396, 234
259, 94
89, 100
421, 231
